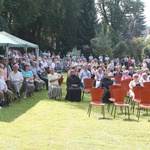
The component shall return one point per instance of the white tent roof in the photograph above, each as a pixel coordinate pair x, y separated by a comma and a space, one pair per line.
9, 40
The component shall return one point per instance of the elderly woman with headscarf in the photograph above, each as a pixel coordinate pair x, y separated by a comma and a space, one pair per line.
55, 89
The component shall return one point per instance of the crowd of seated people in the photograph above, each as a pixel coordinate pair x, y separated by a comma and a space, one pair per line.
104, 76
26, 73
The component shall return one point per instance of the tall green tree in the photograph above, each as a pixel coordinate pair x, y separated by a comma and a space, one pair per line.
123, 16
136, 20
69, 25
37, 21
3, 24
101, 43
87, 21
1, 5
112, 14
20, 14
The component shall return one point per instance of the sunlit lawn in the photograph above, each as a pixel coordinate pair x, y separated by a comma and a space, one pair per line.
38, 123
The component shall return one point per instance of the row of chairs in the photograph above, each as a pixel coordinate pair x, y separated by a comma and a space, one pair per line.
88, 83
118, 100
118, 96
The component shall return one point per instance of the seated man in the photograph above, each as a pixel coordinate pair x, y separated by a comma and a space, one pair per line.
73, 87
84, 74
105, 83
58, 68
15, 80
38, 82
42, 74
4, 91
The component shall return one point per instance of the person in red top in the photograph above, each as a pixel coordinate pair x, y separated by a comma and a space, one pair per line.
129, 62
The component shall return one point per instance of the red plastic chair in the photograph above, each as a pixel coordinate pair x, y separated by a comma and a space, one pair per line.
118, 78
96, 94
112, 99
88, 83
111, 88
125, 85
119, 95
60, 81
146, 84
136, 99
145, 100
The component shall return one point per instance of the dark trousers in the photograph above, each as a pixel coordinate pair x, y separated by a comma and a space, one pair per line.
106, 96
44, 79
73, 94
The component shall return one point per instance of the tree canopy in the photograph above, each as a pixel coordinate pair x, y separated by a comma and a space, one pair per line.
60, 25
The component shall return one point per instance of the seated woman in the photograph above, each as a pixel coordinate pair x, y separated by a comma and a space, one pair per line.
126, 75
144, 78
28, 84
99, 75
73, 87
55, 89
105, 83
135, 82
4, 91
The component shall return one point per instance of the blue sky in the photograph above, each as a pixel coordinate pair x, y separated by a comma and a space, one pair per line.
147, 10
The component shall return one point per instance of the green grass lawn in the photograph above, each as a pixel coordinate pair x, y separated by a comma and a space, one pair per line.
38, 123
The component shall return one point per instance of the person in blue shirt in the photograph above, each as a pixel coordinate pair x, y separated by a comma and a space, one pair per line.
28, 83
85, 73
58, 68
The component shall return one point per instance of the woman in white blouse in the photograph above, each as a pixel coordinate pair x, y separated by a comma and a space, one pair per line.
144, 78
55, 89
135, 82
98, 76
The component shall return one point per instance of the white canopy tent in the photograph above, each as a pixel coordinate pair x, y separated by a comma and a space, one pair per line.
7, 40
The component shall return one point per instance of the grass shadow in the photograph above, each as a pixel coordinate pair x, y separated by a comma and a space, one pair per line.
18, 108
106, 118
130, 120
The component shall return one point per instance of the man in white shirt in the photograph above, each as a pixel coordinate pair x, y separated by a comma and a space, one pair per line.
38, 82
107, 58
90, 57
15, 79
85, 74
100, 58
